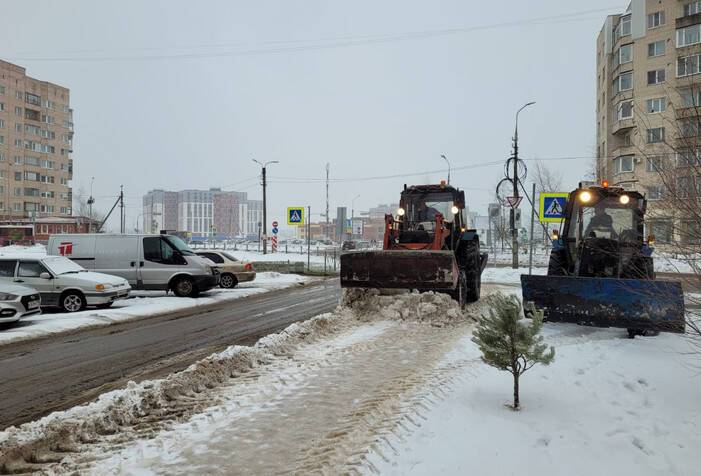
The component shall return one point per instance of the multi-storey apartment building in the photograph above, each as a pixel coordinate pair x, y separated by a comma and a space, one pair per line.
36, 137
648, 91
202, 213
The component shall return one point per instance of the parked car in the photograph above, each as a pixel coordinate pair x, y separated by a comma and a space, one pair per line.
17, 302
231, 270
157, 262
348, 245
61, 282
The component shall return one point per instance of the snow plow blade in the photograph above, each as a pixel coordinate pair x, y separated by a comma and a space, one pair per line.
400, 269
607, 302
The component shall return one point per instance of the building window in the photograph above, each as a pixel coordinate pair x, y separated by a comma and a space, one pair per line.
623, 28
689, 35
18, 111
655, 163
655, 135
686, 187
690, 97
689, 127
688, 65
624, 54
655, 19
18, 160
688, 158
654, 192
623, 82
32, 99
2, 90
657, 48
655, 105
623, 163
661, 229
624, 110
692, 8
655, 77
2, 106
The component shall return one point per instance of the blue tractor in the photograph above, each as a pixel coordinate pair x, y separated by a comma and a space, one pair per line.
601, 269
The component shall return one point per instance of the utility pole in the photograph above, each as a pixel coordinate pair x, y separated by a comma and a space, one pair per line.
121, 206
530, 250
353, 214
264, 167
91, 200
327, 200
515, 180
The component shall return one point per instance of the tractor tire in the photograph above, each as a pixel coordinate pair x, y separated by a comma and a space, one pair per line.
473, 271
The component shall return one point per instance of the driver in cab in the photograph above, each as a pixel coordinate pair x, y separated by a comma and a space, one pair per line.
601, 221
425, 213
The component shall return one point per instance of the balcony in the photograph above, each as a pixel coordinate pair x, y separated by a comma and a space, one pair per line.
622, 125
32, 115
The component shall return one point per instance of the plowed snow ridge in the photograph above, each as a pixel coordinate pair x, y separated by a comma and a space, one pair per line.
318, 395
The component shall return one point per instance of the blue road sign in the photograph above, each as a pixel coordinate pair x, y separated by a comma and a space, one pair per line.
274, 231
295, 215
552, 206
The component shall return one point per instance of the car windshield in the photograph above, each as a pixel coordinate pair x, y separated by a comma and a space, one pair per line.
228, 256
179, 245
62, 265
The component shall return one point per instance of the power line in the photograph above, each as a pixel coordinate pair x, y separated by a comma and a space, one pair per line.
321, 44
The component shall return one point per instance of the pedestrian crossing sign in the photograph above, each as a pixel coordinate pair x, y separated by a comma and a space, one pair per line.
295, 215
552, 206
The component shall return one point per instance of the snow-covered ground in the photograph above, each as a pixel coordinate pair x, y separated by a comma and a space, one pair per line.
389, 385
291, 257
607, 405
504, 275
144, 304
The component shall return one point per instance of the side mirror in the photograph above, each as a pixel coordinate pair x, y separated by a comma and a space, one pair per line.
45, 275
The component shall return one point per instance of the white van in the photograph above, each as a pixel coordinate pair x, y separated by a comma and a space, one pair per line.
158, 262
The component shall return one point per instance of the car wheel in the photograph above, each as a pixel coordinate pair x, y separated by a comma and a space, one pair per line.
228, 281
185, 287
73, 301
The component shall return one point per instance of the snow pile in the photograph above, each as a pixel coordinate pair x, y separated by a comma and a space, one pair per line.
180, 395
39, 250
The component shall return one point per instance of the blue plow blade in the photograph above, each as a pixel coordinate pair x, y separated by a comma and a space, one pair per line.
608, 302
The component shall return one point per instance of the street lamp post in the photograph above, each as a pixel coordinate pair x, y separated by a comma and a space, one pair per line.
353, 213
264, 166
514, 231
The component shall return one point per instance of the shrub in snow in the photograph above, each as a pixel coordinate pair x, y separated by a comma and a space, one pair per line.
507, 342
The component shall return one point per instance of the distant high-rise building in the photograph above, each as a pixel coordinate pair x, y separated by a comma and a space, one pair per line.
203, 213
36, 143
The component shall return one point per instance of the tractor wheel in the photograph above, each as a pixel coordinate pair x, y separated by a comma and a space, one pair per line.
460, 293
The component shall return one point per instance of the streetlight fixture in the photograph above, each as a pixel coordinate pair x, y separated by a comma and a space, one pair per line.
264, 166
447, 162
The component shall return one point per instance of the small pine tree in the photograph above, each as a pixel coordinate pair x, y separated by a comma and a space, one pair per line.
508, 344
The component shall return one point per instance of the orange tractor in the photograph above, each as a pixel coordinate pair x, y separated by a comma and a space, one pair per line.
427, 247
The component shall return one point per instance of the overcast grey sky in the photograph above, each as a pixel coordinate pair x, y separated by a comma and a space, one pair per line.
306, 83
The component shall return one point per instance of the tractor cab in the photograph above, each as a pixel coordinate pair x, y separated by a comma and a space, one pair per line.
425, 210
603, 233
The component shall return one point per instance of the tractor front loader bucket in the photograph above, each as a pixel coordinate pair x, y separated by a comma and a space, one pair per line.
607, 302
424, 270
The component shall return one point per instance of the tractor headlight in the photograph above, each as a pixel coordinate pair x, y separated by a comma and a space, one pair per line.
400, 212
624, 199
585, 197
455, 210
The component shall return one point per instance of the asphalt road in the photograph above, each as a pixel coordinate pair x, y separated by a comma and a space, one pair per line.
56, 373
